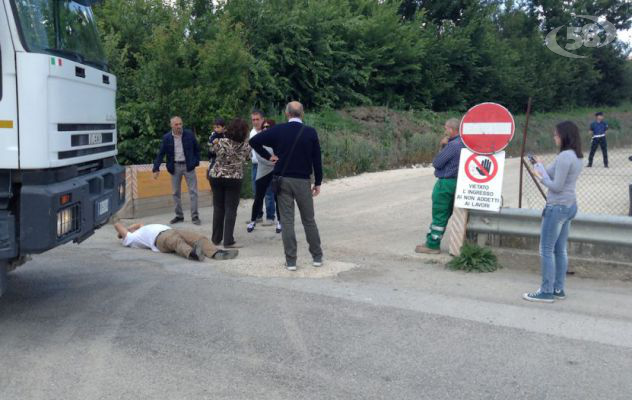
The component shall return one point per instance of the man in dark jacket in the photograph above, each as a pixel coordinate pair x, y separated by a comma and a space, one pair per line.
183, 155
295, 166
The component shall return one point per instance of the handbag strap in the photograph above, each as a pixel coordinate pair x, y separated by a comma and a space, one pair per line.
292, 149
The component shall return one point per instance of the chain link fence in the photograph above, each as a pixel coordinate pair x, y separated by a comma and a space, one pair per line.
600, 190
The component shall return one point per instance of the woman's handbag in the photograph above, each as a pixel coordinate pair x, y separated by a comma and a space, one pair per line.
275, 184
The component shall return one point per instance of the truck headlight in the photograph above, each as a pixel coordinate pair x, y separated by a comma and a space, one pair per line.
121, 192
67, 221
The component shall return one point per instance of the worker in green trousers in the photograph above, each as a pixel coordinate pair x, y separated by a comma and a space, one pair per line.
446, 165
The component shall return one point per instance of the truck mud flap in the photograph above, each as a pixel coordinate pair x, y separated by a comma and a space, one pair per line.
3, 277
8, 245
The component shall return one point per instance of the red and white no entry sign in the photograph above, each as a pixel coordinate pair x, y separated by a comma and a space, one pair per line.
487, 128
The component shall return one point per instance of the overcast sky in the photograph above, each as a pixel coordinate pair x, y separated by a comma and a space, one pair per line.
626, 36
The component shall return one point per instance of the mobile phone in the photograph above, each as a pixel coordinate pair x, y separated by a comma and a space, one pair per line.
531, 159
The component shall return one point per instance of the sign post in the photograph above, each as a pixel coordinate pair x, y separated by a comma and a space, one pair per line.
486, 130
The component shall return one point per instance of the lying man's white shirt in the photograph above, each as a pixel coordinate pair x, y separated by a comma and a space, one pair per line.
145, 237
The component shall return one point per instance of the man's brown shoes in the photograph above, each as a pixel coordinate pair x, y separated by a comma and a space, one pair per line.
426, 250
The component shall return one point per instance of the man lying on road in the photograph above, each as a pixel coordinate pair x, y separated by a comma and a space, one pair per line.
161, 238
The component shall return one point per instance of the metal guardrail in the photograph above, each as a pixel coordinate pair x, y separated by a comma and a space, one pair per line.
589, 228
630, 187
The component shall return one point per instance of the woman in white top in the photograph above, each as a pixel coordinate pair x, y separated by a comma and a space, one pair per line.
262, 182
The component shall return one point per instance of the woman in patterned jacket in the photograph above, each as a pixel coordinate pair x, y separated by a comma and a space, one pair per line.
227, 173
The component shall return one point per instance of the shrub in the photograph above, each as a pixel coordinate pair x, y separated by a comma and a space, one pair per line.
474, 258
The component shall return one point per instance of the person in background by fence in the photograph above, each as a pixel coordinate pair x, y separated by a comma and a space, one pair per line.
183, 155
262, 184
561, 207
232, 153
161, 238
446, 165
298, 154
257, 120
598, 128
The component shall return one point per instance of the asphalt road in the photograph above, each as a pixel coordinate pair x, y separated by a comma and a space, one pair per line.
98, 321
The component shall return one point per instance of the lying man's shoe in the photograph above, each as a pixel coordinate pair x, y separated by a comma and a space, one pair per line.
197, 253
176, 220
422, 249
225, 254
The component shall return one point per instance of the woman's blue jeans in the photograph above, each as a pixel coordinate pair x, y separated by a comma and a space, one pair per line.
556, 223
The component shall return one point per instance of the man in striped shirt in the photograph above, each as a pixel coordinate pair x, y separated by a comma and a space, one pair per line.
446, 165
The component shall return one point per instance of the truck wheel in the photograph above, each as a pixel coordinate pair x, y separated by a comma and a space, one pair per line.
3, 276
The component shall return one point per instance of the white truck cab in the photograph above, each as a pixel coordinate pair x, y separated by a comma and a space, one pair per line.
59, 179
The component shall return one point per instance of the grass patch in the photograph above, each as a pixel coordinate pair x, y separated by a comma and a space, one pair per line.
474, 258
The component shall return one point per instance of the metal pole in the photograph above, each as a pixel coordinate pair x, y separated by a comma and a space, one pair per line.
522, 150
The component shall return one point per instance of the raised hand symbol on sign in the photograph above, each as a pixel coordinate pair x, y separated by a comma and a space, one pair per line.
487, 165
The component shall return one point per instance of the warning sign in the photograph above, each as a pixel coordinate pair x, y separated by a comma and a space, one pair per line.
480, 182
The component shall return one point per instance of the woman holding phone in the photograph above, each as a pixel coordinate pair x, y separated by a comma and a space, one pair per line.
560, 178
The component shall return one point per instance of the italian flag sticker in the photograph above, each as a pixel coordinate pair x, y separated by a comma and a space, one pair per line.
55, 61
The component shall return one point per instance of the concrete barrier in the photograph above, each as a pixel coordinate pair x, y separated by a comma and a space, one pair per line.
145, 196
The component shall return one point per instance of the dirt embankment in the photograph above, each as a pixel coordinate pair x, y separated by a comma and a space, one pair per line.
382, 119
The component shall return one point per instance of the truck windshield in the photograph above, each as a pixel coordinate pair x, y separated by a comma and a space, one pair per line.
61, 27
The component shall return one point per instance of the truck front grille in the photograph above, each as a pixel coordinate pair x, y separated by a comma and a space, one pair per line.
84, 139
85, 127
62, 155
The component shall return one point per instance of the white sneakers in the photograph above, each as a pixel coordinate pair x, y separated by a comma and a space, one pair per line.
292, 266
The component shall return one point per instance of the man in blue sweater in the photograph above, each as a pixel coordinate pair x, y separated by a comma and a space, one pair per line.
297, 155
446, 165
598, 128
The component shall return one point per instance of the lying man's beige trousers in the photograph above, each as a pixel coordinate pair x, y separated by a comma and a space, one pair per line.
182, 241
